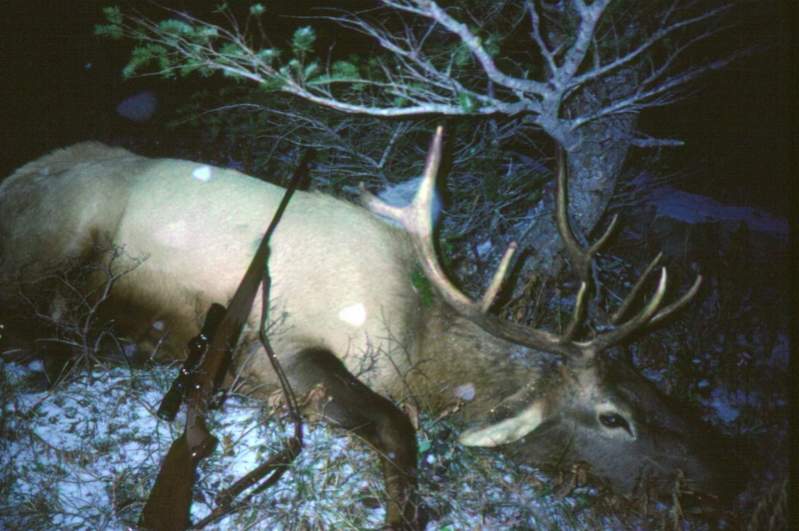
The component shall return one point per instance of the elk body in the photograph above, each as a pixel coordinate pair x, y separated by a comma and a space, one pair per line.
345, 314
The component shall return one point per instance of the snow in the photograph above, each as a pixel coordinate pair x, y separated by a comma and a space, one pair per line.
484, 248
401, 194
695, 208
724, 405
85, 457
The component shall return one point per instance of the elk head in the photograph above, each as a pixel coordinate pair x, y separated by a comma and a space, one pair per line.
582, 405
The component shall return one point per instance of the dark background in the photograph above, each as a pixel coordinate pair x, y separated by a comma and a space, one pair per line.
61, 84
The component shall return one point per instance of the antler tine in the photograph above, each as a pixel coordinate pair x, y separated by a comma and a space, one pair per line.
592, 250
639, 284
649, 315
679, 303
577, 313
666, 311
499, 277
639, 321
580, 258
417, 219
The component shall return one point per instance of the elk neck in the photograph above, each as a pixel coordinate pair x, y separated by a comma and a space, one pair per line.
461, 364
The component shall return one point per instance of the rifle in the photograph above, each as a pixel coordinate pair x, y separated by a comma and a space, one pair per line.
197, 348
169, 503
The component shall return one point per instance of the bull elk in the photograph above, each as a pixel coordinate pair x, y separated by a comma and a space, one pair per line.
351, 319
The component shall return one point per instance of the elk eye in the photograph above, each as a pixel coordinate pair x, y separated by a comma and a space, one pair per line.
614, 421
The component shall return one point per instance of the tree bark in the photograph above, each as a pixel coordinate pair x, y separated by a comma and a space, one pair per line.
595, 153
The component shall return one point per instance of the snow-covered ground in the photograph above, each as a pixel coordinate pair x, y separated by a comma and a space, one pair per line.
86, 455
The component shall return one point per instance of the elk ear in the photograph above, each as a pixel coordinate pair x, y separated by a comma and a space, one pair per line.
507, 430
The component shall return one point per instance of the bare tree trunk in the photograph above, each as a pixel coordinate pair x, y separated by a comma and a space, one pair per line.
596, 155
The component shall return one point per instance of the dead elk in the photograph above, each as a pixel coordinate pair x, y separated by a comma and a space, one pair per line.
342, 288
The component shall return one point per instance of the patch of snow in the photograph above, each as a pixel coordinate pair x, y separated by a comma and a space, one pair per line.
353, 314
202, 173
465, 392
484, 248
653, 375
402, 194
721, 402
695, 208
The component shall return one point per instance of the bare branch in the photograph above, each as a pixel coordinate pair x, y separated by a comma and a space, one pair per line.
430, 9
645, 46
660, 95
589, 16
546, 53
415, 78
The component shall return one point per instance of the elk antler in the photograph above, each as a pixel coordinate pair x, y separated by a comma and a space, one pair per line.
581, 259
417, 219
